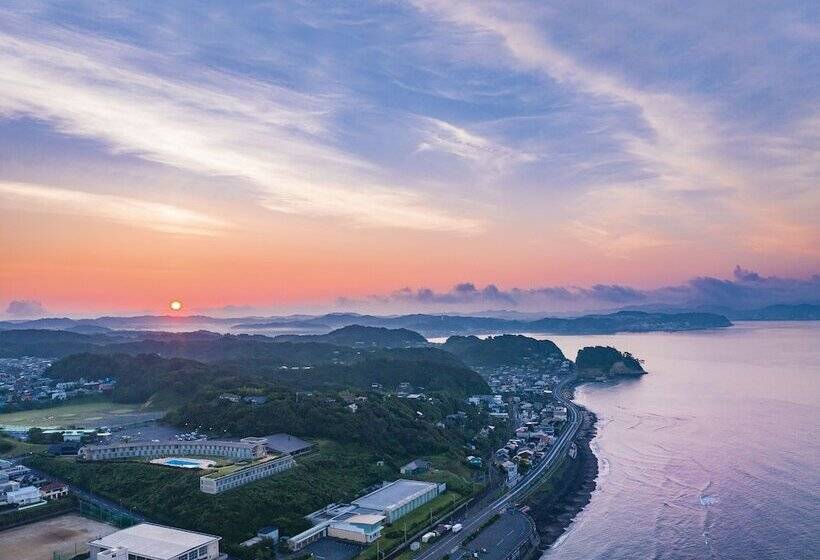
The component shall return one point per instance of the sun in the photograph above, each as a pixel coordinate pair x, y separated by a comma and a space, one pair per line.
175, 305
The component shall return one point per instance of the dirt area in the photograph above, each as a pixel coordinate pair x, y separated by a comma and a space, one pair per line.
64, 535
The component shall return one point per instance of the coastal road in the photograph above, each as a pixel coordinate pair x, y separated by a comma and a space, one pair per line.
475, 518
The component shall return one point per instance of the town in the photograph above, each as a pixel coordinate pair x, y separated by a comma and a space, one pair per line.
523, 416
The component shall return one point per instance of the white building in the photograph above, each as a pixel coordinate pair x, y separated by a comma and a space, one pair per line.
362, 529
210, 448
155, 542
25, 496
400, 497
213, 484
511, 469
113, 554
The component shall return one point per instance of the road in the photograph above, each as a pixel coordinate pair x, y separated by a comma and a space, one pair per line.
475, 518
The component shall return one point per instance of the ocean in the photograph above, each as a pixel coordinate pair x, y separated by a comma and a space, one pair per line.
715, 454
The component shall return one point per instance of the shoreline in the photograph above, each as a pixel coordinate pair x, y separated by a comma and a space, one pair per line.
569, 490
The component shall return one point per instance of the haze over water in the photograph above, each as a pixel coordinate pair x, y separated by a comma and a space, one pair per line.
714, 454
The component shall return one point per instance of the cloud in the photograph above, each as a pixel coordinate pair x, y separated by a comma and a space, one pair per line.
25, 308
131, 211
681, 165
747, 289
445, 137
204, 121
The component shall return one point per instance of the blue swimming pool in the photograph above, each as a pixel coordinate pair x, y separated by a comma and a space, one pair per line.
182, 463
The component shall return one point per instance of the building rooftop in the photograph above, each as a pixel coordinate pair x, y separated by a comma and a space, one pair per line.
394, 494
365, 519
155, 541
286, 443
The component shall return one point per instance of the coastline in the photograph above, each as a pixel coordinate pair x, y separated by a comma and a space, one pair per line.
554, 507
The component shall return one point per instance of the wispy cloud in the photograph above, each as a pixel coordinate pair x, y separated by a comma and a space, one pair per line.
678, 144
203, 121
131, 211
471, 146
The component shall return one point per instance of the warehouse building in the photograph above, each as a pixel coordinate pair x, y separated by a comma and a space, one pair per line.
398, 498
215, 483
361, 521
209, 448
155, 542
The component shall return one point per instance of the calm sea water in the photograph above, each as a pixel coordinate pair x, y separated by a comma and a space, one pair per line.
714, 454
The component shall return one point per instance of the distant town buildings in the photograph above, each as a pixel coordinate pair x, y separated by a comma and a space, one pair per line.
23, 384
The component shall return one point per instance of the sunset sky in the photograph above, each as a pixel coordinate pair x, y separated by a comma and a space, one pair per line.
279, 156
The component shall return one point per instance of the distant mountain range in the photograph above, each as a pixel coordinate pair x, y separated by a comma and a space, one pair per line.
426, 325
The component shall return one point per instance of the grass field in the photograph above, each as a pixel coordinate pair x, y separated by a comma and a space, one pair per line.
95, 413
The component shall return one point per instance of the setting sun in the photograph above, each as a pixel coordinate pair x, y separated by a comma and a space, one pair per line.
175, 305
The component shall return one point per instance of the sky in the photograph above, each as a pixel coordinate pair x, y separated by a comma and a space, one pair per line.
285, 156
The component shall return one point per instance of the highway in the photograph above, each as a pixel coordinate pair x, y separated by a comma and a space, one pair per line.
476, 517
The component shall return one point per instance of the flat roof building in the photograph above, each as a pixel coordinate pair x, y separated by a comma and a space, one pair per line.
400, 497
156, 542
206, 447
286, 443
215, 483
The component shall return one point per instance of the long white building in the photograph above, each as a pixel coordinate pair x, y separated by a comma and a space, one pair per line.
362, 520
214, 484
398, 498
209, 448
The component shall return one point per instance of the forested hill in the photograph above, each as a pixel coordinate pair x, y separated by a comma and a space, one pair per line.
362, 336
44, 343
597, 360
141, 376
501, 350
386, 424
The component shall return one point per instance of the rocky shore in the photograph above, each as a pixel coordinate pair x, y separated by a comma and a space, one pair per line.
558, 501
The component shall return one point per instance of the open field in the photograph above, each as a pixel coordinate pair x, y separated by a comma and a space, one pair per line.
87, 414
38, 541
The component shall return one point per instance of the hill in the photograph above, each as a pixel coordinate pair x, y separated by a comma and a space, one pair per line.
802, 312
44, 343
141, 376
501, 350
593, 361
359, 335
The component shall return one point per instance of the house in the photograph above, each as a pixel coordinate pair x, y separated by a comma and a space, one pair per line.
474, 461
255, 400
53, 491
8, 486
269, 533
25, 496
230, 397
511, 470
417, 466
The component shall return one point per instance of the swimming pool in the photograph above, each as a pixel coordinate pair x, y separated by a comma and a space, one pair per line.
183, 463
